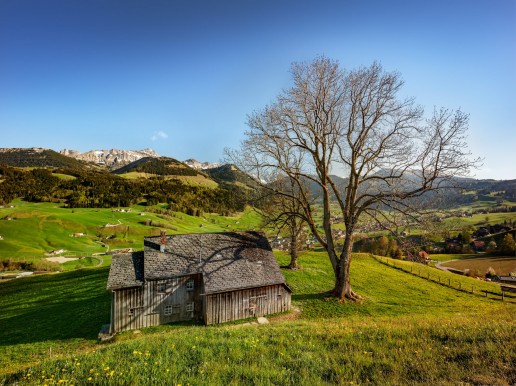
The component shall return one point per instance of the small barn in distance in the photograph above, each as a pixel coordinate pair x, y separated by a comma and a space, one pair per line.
209, 277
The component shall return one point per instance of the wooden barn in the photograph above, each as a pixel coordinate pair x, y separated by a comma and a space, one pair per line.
209, 277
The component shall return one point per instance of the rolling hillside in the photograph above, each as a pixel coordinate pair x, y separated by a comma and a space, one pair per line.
161, 166
165, 167
230, 174
51, 227
408, 330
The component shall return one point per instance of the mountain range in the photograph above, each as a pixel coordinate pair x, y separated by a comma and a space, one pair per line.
148, 162
121, 162
113, 158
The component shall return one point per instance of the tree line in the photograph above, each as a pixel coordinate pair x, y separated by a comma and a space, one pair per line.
99, 189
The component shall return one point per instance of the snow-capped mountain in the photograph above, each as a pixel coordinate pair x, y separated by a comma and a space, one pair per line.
200, 165
112, 158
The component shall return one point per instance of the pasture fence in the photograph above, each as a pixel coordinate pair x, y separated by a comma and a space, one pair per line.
506, 292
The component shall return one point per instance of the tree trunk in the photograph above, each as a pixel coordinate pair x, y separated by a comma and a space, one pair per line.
293, 250
342, 289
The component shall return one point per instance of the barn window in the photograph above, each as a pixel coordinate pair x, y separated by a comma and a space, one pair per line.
190, 307
131, 311
168, 310
190, 285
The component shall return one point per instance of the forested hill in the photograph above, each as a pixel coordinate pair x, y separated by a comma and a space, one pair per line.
38, 174
76, 188
505, 188
161, 166
39, 157
230, 173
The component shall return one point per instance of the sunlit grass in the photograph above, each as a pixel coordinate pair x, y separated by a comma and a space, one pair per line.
407, 330
37, 228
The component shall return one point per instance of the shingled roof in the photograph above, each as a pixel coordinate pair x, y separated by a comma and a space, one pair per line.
227, 261
126, 270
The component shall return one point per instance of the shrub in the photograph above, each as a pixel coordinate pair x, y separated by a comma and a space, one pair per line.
39, 265
490, 272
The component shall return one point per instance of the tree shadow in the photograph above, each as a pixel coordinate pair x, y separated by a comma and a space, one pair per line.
54, 307
318, 296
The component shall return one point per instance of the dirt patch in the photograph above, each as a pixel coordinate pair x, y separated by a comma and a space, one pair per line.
501, 265
292, 315
61, 259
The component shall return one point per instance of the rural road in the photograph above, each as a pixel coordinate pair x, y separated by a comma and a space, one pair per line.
438, 265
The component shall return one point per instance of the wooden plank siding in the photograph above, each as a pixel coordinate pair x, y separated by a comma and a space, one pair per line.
139, 307
247, 303
157, 302
128, 309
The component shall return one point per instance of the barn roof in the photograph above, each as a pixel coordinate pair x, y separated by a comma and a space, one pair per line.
126, 270
227, 261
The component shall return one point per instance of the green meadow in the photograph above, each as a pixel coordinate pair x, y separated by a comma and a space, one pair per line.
29, 230
407, 330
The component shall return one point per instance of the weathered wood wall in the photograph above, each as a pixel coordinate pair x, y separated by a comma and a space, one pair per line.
122, 302
139, 307
246, 303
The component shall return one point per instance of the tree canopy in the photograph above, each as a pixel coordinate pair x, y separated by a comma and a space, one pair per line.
352, 123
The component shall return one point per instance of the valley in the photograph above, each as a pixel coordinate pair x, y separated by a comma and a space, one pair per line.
442, 326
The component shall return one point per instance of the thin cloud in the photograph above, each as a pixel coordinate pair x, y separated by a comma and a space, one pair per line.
159, 135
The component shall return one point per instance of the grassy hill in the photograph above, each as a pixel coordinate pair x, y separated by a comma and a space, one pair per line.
165, 167
230, 174
408, 330
29, 230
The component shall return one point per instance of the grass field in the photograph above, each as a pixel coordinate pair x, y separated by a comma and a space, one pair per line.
408, 330
65, 177
197, 180
451, 256
36, 228
480, 219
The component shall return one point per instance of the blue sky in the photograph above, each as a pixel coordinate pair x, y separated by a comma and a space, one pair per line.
181, 76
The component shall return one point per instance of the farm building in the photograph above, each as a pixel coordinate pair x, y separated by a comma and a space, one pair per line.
209, 277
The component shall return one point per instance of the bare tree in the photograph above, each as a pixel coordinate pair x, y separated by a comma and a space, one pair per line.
284, 212
354, 124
